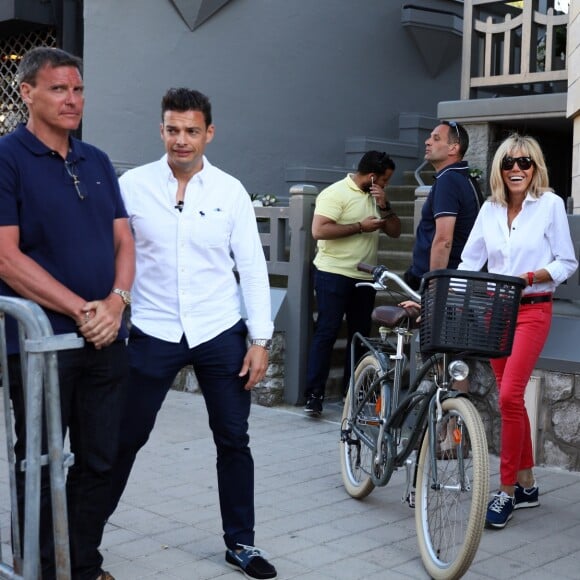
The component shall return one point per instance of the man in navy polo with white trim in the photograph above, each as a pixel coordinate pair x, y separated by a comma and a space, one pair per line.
66, 244
451, 207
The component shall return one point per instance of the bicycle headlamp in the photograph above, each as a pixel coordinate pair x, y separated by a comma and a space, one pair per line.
458, 370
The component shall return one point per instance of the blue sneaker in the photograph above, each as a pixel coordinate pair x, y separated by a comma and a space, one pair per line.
499, 510
251, 562
526, 497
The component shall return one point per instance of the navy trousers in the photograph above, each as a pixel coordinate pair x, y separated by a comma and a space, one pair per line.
336, 297
91, 385
154, 364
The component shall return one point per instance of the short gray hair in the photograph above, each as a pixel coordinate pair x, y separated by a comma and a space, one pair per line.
41, 56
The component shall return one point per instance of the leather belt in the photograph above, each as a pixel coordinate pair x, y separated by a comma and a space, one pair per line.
536, 299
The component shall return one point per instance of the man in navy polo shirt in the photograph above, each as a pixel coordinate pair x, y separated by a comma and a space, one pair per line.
66, 244
451, 207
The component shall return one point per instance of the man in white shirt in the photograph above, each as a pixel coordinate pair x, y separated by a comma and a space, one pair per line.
193, 224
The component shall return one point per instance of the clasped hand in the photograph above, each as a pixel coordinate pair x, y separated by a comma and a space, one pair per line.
101, 322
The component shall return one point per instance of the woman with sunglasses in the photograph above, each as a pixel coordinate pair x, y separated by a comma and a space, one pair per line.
522, 230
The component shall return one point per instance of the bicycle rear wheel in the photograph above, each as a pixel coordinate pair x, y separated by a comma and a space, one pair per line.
450, 514
360, 430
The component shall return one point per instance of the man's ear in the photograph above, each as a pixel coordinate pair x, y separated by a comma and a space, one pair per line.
457, 148
25, 92
210, 133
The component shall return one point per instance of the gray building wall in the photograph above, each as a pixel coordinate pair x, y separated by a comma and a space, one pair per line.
290, 80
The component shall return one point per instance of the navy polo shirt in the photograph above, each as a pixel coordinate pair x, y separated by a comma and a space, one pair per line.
451, 195
71, 238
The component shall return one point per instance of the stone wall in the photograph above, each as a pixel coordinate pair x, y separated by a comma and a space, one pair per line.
479, 150
559, 420
557, 437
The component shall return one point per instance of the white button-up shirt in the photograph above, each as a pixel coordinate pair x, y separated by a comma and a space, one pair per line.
184, 282
539, 238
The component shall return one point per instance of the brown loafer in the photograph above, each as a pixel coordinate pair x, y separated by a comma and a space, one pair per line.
104, 576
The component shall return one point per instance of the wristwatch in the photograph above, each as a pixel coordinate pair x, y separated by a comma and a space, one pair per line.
263, 342
124, 294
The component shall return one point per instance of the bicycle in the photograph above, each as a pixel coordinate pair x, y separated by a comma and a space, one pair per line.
388, 414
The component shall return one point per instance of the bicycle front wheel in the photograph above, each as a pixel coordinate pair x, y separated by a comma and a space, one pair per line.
360, 429
451, 505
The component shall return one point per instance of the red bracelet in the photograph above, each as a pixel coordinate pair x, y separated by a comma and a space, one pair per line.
531, 276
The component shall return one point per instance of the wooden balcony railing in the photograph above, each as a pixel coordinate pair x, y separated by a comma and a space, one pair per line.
512, 49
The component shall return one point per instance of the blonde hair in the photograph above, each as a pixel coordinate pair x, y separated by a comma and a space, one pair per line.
525, 146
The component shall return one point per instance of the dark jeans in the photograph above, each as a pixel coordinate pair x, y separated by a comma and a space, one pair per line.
413, 281
91, 390
336, 296
154, 365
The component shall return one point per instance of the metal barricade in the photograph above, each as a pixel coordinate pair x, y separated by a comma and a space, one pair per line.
38, 346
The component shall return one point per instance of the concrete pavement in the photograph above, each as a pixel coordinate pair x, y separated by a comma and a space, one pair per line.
168, 524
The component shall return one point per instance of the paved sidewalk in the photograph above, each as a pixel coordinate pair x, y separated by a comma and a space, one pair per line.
168, 524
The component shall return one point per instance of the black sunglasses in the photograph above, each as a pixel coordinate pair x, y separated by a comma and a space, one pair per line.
78, 184
524, 163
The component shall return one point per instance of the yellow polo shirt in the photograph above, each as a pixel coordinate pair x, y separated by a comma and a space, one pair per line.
345, 203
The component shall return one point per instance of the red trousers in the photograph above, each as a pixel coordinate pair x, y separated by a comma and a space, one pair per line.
512, 375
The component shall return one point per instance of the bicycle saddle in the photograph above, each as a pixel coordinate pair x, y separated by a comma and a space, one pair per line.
392, 316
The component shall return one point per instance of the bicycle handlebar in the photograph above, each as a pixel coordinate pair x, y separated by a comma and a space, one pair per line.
380, 276
362, 267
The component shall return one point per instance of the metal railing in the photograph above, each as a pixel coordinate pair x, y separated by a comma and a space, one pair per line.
38, 347
512, 48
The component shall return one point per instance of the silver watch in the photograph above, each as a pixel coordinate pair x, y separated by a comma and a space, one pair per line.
263, 342
124, 294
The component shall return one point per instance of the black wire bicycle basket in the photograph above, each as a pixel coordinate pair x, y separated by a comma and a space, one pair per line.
473, 313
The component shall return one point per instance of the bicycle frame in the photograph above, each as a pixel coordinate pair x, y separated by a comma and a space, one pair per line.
393, 412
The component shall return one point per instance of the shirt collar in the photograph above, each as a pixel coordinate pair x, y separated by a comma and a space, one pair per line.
38, 148
203, 175
459, 166
351, 183
530, 198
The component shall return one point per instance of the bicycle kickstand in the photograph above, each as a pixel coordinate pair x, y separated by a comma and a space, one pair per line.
409, 490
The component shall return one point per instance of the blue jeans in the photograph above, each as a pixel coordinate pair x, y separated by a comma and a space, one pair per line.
154, 364
91, 385
336, 296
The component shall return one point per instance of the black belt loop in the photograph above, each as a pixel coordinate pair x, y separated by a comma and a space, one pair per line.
536, 299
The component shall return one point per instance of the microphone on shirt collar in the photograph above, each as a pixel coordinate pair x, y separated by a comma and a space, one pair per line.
179, 205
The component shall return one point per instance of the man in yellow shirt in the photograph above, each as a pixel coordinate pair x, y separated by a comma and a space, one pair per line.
348, 218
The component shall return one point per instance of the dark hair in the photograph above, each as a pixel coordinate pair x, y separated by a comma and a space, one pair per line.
41, 56
186, 100
375, 162
457, 134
